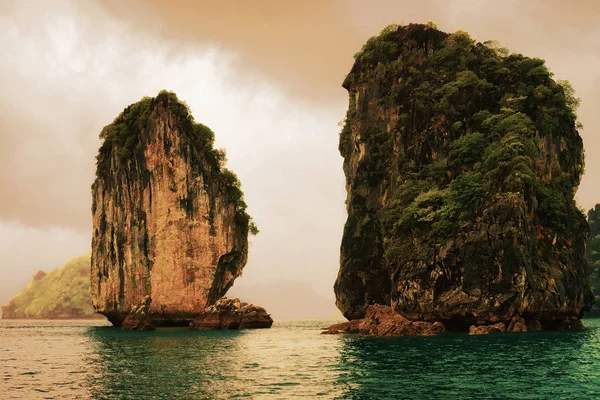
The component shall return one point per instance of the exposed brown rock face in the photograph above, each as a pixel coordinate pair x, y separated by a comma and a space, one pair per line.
384, 321
518, 324
487, 329
232, 314
353, 326
169, 220
139, 318
461, 165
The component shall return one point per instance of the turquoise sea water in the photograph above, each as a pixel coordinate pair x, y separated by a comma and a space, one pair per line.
82, 360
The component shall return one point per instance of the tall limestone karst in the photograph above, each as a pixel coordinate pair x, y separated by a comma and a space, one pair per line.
461, 165
170, 228
593, 257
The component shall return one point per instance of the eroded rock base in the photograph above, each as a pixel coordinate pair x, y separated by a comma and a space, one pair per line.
232, 314
520, 324
383, 321
139, 318
486, 329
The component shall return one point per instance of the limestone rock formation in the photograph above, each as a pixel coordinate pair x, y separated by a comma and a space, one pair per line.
487, 329
461, 165
383, 321
231, 314
169, 221
593, 258
139, 317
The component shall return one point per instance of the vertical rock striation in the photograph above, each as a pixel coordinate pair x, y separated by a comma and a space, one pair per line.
461, 165
593, 258
170, 230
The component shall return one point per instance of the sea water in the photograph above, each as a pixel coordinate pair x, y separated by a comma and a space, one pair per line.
91, 360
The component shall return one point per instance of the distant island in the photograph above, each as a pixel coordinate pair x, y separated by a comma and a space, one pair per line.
63, 293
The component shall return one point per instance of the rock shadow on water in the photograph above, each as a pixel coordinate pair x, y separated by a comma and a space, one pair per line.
167, 363
291, 360
532, 365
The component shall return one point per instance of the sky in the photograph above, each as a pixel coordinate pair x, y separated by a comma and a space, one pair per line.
265, 76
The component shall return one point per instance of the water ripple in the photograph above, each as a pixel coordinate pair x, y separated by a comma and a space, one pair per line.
82, 360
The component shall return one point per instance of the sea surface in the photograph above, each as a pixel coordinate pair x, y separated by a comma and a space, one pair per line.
90, 360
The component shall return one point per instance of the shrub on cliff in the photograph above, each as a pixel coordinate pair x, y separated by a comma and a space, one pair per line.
123, 136
477, 114
593, 256
461, 161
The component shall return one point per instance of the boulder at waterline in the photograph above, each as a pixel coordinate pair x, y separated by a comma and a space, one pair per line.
232, 314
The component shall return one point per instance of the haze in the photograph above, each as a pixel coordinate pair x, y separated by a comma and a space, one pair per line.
265, 76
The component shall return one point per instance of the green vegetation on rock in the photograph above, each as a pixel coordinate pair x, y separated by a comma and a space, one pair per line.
61, 293
593, 256
164, 206
462, 161
122, 136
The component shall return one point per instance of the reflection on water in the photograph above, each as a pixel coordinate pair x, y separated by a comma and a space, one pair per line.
43, 359
66, 359
291, 359
545, 365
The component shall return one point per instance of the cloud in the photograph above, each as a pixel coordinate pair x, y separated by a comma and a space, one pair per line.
67, 83
306, 47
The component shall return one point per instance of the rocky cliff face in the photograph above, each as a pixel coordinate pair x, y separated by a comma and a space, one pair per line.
593, 257
461, 165
169, 221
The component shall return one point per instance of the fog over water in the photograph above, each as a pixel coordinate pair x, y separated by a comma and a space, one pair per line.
265, 76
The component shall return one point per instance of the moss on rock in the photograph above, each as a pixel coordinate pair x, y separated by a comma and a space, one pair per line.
461, 165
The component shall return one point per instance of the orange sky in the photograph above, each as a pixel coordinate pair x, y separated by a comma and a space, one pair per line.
306, 47
264, 75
